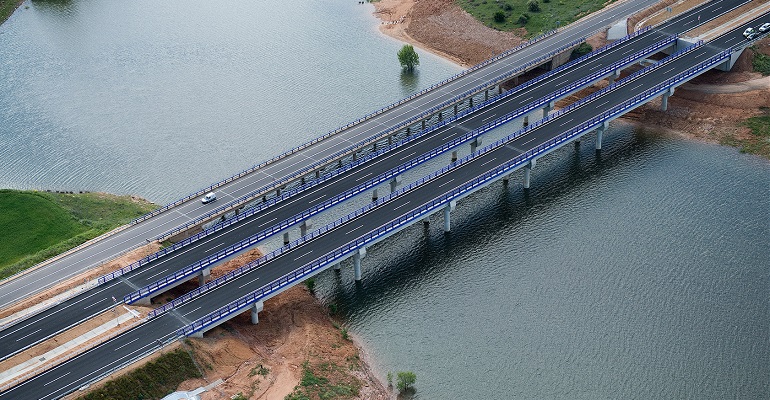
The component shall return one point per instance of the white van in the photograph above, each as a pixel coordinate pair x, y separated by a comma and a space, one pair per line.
209, 197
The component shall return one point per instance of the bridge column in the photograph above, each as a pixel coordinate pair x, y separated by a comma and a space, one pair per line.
528, 172
470, 102
374, 195
204, 275
357, 256
394, 183
447, 215
475, 144
317, 173
526, 121
305, 226
390, 138
668, 93
614, 75
440, 116
500, 87
547, 108
285, 238
355, 156
600, 133
455, 109
423, 124
408, 133
486, 95
454, 155
256, 308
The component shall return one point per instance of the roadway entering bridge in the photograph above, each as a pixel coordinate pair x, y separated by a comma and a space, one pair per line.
547, 88
282, 169
413, 203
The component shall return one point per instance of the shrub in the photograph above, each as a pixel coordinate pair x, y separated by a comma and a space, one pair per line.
533, 6
500, 17
583, 49
761, 63
310, 283
507, 7
523, 18
405, 380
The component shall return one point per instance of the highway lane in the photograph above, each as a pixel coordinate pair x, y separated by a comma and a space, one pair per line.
73, 374
58, 318
136, 235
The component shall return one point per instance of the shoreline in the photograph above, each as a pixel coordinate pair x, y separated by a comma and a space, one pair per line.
695, 102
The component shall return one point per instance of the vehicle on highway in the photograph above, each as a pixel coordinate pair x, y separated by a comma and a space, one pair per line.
765, 27
749, 33
209, 197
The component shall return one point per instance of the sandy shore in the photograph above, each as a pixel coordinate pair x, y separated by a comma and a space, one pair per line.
698, 110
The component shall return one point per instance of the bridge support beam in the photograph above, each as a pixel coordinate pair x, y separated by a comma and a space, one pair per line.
547, 108
394, 183
285, 238
664, 103
357, 256
204, 275
475, 144
447, 215
256, 308
528, 173
600, 133
305, 226
614, 75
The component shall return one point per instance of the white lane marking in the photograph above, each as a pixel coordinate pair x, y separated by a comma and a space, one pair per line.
87, 307
267, 222
246, 284
192, 311
602, 104
567, 122
488, 118
303, 255
25, 336
52, 381
408, 156
120, 347
318, 198
446, 183
492, 160
152, 276
364, 177
354, 229
396, 208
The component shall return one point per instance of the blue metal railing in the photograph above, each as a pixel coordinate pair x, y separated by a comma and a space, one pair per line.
229, 251
431, 111
418, 213
342, 128
577, 130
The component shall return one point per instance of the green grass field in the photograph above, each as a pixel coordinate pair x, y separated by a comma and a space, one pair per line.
551, 12
35, 226
7, 7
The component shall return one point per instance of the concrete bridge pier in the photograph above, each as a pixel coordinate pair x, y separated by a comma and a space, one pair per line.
390, 138
526, 121
470, 102
317, 173
423, 124
440, 116
256, 308
203, 276
475, 144
357, 256
305, 226
614, 75
447, 215
528, 173
455, 109
486, 95
668, 93
144, 301
374, 195
394, 183
454, 156
285, 238
600, 133
547, 108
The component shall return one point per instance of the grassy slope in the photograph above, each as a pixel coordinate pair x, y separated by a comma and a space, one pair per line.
7, 7
563, 11
35, 226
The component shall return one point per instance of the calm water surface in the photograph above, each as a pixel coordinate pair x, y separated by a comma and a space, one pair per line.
639, 273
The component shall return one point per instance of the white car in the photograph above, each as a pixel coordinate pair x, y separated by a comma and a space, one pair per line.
749, 33
209, 197
765, 27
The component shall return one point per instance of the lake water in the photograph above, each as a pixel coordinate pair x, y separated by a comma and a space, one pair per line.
643, 272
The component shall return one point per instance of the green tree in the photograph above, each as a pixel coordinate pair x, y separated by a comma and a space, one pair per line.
500, 17
533, 6
408, 57
405, 380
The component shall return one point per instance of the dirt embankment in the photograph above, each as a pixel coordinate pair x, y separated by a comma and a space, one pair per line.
696, 110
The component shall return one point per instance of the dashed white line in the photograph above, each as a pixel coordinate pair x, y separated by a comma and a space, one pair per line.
403, 205
492, 160
152, 276
120, 347
446, 183
303, 255
408, 156
192, 311
52, 381
364, 177
354, 229
244, 285
25, 336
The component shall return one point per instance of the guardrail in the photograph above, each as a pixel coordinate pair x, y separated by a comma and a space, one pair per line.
410, 121
281, 250
427, 208
194, 268
342, 128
